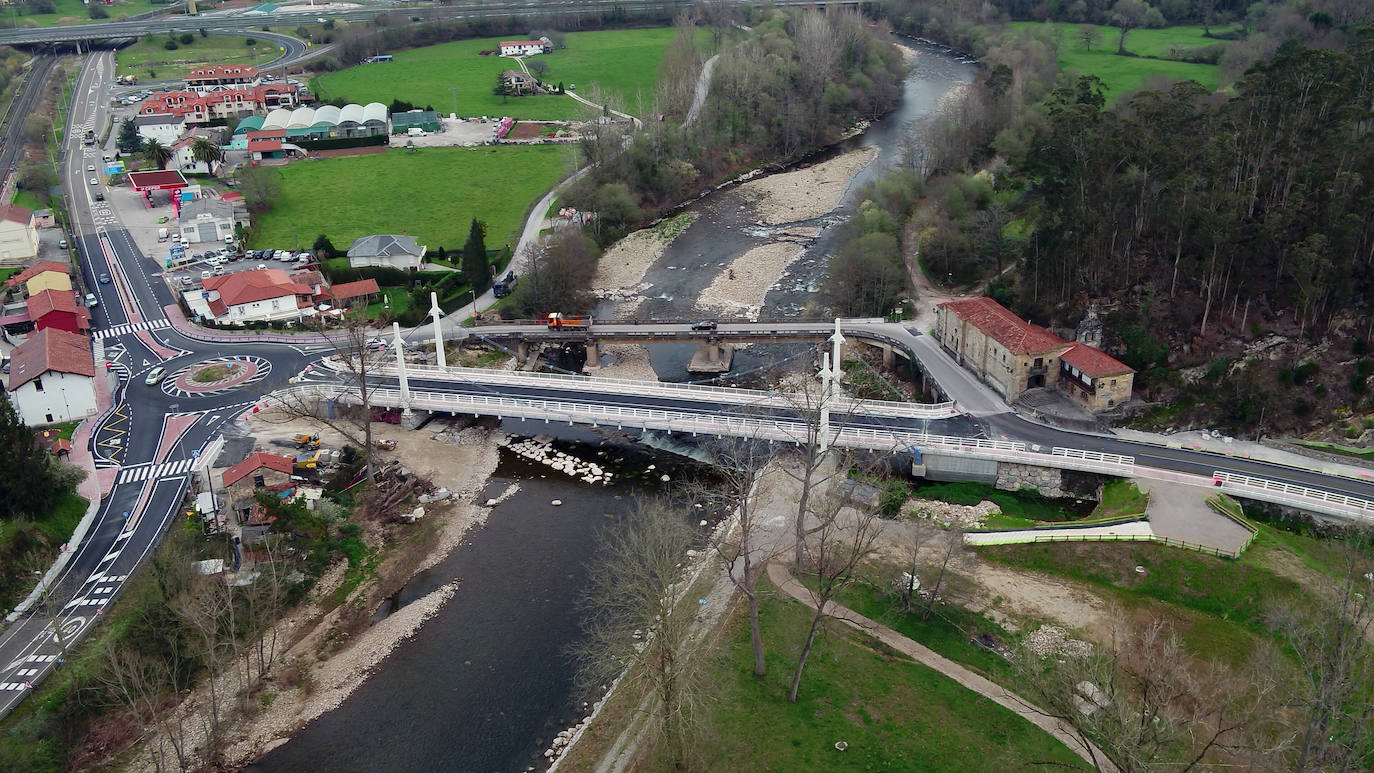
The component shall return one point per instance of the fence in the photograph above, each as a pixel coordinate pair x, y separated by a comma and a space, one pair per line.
1028, 538
1273, 491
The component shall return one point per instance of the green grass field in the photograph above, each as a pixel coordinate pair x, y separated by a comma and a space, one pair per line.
147, 59
27, 200
892, 713
617, 61
74, 12
1124, 73
431, 194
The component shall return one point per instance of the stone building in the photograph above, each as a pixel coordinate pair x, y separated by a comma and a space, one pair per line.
1012, 355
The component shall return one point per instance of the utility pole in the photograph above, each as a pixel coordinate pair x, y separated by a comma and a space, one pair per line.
454, 89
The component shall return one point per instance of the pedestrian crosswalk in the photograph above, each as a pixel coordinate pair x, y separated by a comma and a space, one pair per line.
132, 327
140, 472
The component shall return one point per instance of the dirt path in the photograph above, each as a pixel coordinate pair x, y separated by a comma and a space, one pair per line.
783, 579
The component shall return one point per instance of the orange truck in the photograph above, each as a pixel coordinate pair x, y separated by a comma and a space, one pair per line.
557, 321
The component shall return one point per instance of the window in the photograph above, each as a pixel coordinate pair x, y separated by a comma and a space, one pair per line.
259, 481
1113, 382
38, 385
50, 419
1039, 362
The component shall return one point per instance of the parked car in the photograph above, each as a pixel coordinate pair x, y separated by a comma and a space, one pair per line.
205, 275
282, 255
62, 243
187, 281
104, 279
155, 376
262, 266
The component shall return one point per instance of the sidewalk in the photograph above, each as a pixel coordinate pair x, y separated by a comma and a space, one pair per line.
1246, 449
783, 579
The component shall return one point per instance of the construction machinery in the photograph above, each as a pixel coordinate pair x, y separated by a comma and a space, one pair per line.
557, 321
306, 441
308, 460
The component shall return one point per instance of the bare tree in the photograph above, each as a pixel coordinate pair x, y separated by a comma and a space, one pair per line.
358, 362
920, 530
950, 547
838, 543
1141, 704
739, 465
138, 682
1331, 641
635, 623
822, 416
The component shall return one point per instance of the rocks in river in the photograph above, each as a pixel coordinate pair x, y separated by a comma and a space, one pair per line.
540, 449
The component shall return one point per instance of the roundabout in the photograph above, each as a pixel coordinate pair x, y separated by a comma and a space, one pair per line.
216, 376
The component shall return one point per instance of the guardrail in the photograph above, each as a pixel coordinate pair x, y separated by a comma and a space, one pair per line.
1027, 539
1302, 497
881, 408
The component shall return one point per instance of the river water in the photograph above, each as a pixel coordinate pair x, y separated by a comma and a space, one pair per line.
487, 682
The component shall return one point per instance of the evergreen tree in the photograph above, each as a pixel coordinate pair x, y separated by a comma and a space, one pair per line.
28, 488
128, 140
476, 272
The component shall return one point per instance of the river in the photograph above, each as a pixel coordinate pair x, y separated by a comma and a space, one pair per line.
486, 683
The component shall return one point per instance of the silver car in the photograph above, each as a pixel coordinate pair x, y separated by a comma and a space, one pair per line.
155, 376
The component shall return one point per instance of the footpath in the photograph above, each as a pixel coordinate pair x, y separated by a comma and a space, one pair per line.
783, 579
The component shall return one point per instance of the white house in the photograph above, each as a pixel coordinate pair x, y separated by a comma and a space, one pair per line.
526, 47
388, 250
183, 158
209, 220
18, 237
163, 127
266, 294
52, 378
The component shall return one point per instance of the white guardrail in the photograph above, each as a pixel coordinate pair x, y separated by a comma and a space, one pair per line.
733, 395
784, 430
1302, 497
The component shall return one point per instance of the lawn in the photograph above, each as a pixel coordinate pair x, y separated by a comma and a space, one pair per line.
1120, 498
21, 539
75, 12
618, 61
892, 713
1237, 591
1124, 73
148, 60
1022, 504
431, 194
27, 200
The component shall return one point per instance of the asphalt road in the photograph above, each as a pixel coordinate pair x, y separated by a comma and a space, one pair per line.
131, 325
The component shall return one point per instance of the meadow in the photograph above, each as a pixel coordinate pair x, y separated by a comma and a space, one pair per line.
1152, 48
431, 194
76, 12
615, 62
149, 60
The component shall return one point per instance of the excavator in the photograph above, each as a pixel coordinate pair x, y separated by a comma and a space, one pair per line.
306, 441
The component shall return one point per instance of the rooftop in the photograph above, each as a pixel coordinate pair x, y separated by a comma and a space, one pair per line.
50, 350
256, 461
998, 323
349, 290
48, 301
1093, 362
36, 269
385, 245
15, 214
257, 285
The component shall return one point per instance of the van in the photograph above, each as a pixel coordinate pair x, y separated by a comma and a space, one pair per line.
162, 234
415, 131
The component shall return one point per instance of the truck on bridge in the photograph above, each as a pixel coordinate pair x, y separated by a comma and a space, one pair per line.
556, 321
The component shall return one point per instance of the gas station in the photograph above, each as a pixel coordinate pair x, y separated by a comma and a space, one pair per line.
147, 183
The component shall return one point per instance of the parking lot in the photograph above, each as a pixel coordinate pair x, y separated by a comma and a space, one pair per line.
190, 277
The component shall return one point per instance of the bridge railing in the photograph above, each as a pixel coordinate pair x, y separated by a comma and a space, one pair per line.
885, 408
1279, 493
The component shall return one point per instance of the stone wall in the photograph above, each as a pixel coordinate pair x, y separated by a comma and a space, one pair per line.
1049, 481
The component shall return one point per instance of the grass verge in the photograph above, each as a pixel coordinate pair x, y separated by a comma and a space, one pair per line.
893, 714
1026, 505
431, 194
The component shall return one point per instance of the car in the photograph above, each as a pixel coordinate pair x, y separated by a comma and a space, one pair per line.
104, 279
216, 260
62, 244
262, 266
187, 281
205, 275
94, 181
92, 301
155, 376
99, 196
90, 168
376, 343
282, 255
705, 324
229, 239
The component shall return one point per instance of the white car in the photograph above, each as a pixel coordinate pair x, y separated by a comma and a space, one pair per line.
155, 376
94, 181
281, 255
205, 275
262, 266
90, 168
91, 301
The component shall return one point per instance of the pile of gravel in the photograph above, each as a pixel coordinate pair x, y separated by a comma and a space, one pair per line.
1050, 640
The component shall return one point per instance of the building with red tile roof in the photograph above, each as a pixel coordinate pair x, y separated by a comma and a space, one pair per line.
363, 288
57, 309
264, 294
198, 108
261, 465
221, 77
52, 377
43, 275
1013, 355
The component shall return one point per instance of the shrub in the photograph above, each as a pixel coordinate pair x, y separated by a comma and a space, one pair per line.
170, 45
187, 38
250, 41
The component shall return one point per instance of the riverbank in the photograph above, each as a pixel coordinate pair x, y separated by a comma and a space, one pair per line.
804, 194
620, 270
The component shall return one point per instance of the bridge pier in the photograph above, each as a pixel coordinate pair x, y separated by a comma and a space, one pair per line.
593, 355
712, 358
522, 351
889, 357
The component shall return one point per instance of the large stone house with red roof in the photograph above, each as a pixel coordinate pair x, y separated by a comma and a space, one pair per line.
52, 378
1012, 355
260, 295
